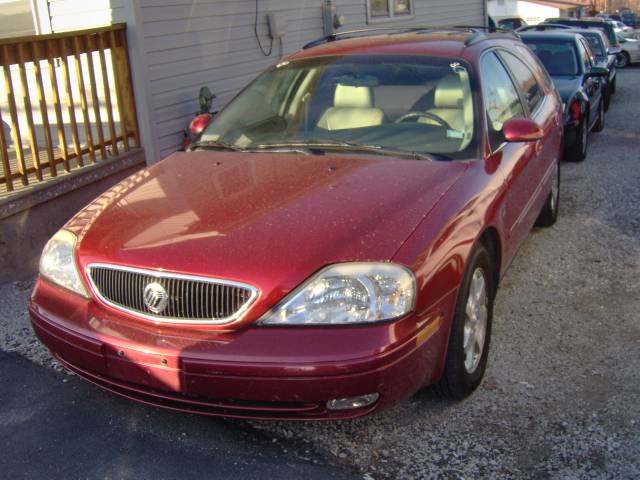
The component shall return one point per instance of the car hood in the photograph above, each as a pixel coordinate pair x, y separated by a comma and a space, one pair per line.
567, 85
269, 220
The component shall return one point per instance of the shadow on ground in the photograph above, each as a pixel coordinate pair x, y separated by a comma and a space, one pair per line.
56, 426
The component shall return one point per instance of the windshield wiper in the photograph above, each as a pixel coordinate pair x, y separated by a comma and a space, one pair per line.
216, 145
349, 146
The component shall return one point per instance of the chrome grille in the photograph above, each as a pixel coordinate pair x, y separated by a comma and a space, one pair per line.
189, 299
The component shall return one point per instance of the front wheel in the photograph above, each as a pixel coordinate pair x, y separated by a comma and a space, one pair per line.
622, 60
470, 330
549, 213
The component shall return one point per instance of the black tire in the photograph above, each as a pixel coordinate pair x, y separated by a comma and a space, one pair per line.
578, 151
599, 125
622, 61
607, 98
457, 382
613, 86
549, 213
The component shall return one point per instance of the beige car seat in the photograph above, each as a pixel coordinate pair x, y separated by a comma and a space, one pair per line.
453, 103
352, 108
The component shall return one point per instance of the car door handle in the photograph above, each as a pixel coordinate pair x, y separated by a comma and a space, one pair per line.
538, 146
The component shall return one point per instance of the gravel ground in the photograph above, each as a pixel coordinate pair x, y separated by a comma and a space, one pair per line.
561, 397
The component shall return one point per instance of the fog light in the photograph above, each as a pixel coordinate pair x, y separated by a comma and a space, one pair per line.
352, 402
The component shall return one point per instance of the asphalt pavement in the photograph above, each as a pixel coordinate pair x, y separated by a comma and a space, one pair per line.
55, 426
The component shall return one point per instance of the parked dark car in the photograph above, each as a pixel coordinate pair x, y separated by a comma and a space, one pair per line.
331, 243
541, 27
599, 46
629, 17
568, 59
603, 25
613, 53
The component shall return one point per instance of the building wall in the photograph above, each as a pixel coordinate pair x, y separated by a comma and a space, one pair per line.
178, 47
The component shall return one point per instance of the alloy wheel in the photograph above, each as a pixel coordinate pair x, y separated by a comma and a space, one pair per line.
555, 189
622, 61
475, 322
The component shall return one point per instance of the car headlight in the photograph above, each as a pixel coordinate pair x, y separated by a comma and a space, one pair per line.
348, 293
58, 264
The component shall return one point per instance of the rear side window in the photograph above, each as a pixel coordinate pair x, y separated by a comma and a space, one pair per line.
595, 43
525, 79
585, 54
501, 100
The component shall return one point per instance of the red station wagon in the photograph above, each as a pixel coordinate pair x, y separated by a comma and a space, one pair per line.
330, 244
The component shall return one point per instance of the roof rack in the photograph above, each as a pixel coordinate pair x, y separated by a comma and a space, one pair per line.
480, 33
477, 31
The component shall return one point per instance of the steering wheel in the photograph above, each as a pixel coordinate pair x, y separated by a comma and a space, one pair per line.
432, 116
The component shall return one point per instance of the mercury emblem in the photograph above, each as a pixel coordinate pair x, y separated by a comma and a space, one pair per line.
155, 297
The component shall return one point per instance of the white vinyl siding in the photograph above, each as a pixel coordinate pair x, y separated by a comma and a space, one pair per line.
213, 43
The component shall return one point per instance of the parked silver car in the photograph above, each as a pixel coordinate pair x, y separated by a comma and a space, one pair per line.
630, 52
623, 30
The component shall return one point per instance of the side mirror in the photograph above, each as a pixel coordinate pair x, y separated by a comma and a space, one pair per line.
205, 99
199, 123
598, 72
521, 130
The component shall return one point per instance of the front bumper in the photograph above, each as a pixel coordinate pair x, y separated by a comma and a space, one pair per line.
260, 372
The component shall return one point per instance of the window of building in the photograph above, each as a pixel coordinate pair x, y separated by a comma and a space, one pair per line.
16, 19
20, 18
380, 10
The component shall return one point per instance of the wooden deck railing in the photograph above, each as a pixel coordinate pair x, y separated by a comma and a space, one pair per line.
67, 102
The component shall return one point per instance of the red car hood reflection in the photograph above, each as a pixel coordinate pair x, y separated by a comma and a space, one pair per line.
269, 220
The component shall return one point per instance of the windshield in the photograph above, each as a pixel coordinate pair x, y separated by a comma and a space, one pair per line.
411, 103
558, 57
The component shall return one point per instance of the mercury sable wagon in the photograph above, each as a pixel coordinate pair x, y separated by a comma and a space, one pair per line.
331, 243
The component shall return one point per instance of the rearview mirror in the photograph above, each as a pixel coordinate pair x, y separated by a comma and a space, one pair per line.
598, 72
521, 130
